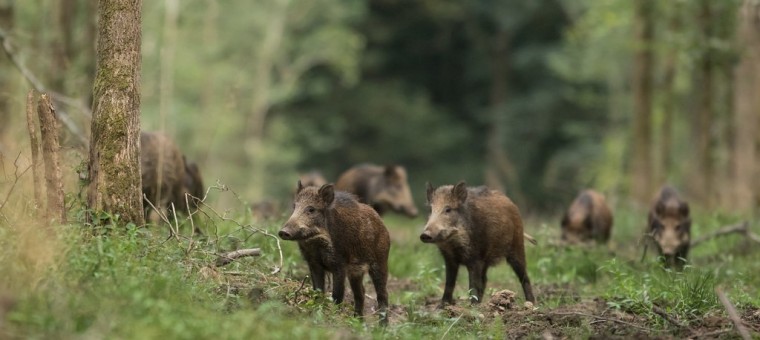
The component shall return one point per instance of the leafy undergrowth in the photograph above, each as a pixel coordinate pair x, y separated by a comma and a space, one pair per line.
80, 281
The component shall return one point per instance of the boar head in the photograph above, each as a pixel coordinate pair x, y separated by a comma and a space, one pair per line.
310, 209
447, 213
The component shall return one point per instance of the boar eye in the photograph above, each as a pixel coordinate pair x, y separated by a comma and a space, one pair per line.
447, 210
310, 210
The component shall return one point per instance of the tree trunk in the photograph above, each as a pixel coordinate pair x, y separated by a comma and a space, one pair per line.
88, 47
705, 166
668, 106
114, 168
642, 102
50, 148
6, 23
499, 168
61, 45
747, 108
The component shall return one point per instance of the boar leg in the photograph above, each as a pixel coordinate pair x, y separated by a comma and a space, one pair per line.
317, 277
355, 280
339, 284
452, 269
379, 275
477, 273
517, 262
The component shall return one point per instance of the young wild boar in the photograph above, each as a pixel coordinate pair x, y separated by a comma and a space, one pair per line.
383, 188
475, 227
670, 227
588, 218
339, 235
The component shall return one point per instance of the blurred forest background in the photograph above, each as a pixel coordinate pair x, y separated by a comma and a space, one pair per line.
539, 98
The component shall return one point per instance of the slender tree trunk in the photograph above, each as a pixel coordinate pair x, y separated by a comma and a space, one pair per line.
499, 168
61, 44
705, 112
88, 46
6, 23
50, 152
642, 101
668, 106
114, 168
744, 154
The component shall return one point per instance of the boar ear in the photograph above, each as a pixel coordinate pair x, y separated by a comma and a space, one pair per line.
299, 187
391, 171
327, 194
430, 189
460, 192
684, 209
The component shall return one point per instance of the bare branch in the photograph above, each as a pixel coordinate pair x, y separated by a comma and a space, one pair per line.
16, 176
669, 318
733, 314
37, 84
227, 258
741, 228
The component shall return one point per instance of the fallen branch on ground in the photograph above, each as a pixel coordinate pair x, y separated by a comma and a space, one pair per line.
227, 258
669, 318
741, 228
732, 314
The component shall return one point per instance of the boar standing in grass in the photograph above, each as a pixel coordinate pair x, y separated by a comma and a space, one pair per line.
588, 218
475, 227
670, 227
166, 175
383, 188
339, 235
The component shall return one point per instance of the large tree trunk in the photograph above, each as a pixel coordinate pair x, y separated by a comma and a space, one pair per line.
705, 164
6, 23
642, 102
668, 106
747, 109
114, 168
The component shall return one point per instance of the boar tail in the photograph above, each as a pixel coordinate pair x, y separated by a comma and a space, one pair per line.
530, 239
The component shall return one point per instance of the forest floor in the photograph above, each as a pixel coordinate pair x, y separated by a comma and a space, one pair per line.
79, 281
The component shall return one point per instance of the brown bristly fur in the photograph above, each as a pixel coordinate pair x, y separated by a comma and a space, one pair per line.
669, 225
588, 218
477, 228
382, 187
339, 235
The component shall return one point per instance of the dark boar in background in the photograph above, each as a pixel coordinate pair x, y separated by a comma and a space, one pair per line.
670, 227
475, 227
166, 176
339, 235
382, 187
588, 218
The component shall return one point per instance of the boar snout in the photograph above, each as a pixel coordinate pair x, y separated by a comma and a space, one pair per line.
425, 237
288, 231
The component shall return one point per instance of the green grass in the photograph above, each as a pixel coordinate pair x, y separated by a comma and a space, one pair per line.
124, 282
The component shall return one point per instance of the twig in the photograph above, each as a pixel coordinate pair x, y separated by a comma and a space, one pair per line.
732, 314
605, 319
451, 326
741, 228
162, 216
710, 334
63, 116
669, 318
16, 176
227, 258
295, 295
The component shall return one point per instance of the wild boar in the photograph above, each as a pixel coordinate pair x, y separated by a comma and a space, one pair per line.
588, 218
475, 227
339, 235
162, 169
383, 188
167, 175
670, 227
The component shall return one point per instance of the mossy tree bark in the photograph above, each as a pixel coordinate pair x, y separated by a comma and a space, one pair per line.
114, 168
